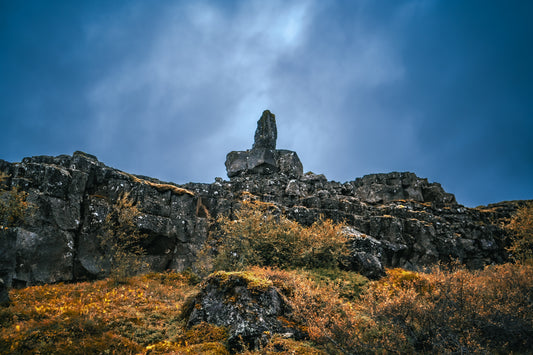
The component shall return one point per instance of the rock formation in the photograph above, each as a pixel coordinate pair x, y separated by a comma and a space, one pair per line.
266, 133
394, 220
71, 196
252, 309
264, 158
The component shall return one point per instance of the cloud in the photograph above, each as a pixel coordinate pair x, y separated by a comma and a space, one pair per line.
166, 89
195, 80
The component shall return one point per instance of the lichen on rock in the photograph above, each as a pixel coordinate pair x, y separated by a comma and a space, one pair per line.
251, 308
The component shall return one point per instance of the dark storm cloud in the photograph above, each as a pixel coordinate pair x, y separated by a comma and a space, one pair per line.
166, 89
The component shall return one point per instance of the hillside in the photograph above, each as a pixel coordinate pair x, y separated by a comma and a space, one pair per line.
441, 312
273, 260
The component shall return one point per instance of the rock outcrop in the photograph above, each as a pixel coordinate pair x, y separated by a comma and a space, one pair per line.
384, 188
394, 220
401, 233
264, 158
4, 294
71, 196
252, 309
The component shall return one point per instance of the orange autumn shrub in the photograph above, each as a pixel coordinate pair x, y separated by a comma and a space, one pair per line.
334, 324
521, 229
260, 235
455, 311
486, 311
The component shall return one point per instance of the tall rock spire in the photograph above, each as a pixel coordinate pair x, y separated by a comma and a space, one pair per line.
266, 133
264, 158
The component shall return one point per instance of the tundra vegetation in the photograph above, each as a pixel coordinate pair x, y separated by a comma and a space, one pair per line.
447, 309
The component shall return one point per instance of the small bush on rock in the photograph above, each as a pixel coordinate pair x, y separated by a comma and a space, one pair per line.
13, 205
260, 235
521, 227
121, 240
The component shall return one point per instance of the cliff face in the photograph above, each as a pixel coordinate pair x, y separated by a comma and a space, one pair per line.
72, 196
395, 219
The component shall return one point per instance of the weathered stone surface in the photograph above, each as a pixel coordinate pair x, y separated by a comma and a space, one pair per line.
383, 188
4, 294
289, 163
263, 162
413, 234
71, 196
8, 254
252, 312
266, 133
408, 222
44, 257
366, 254
263, 158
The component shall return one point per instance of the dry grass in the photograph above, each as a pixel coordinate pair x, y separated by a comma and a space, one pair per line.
95, 317
160, 187
488, 311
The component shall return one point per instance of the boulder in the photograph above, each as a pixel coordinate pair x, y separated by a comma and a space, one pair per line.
8, 254
289, 163
252, 309
365, 254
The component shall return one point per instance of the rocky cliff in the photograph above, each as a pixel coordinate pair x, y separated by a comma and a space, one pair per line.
395, 219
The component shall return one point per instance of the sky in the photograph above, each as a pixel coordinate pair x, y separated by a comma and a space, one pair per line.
167, 88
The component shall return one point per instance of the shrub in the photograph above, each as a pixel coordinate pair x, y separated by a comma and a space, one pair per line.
261, 235
13, 205
334, 324
455, 311
487, 311
521, 228
121, 240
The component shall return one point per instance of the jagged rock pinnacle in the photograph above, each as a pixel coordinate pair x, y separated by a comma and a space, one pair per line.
264, 158
266, 132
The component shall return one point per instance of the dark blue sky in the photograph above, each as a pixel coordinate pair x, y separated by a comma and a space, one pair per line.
168, 88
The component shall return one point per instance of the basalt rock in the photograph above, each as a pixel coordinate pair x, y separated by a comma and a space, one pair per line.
383, 188
252, 309
4, 294
396, 219
266, 133
71, 196
264, 158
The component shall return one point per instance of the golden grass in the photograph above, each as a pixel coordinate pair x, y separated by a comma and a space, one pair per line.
95, 317
487, 311
160, 187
